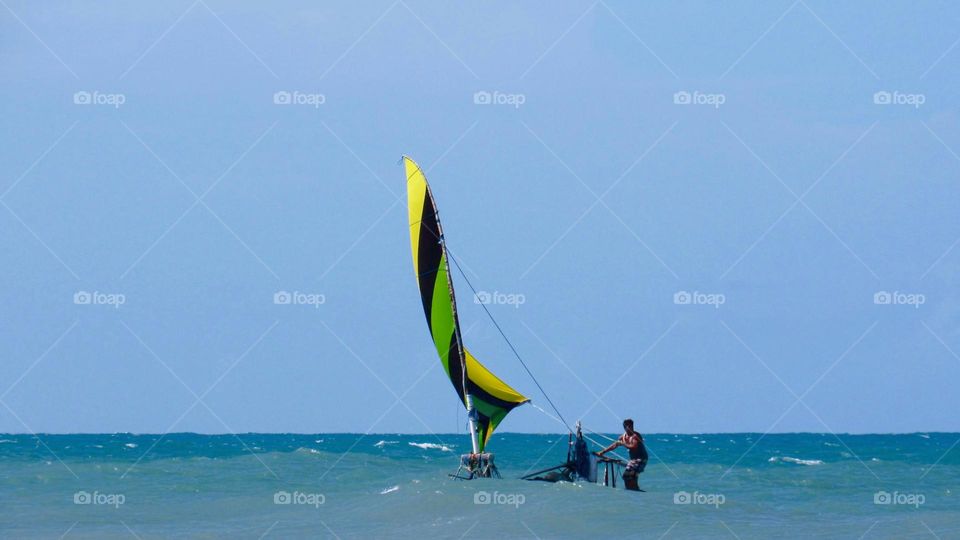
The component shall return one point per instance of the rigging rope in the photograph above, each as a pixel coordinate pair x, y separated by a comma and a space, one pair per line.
512, 348
600, 435
587, 437
548, 415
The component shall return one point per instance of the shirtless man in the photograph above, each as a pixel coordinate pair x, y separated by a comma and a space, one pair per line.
633, 442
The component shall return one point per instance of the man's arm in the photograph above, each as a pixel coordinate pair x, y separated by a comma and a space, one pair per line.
609, 448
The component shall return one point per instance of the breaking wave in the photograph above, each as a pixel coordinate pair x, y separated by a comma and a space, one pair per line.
381, 444
431, 446
798, 461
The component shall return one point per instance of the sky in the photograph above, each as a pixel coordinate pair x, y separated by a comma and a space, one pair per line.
708, 217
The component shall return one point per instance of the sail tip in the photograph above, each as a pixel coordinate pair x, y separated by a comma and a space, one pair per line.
412, 166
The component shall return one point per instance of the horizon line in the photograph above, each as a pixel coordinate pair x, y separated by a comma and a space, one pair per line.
374, 434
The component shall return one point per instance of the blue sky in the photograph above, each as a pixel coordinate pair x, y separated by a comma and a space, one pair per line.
144, 158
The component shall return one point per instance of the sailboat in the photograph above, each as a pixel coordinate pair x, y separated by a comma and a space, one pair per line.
485, 396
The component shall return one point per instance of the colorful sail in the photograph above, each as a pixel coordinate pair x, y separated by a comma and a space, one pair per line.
492, 398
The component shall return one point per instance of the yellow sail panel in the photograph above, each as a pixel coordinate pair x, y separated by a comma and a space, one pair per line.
492, 397
416, 192
490, 383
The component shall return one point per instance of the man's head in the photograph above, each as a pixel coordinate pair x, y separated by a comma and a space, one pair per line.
628, 425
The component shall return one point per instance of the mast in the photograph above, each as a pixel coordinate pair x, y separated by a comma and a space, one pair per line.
467, 398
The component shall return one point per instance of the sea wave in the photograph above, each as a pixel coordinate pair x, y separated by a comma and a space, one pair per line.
431, 446
390, 490
797, 461
381, 444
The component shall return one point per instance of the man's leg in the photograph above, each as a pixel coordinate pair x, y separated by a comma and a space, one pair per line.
630, 478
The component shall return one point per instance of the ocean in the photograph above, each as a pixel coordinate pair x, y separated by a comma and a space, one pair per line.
742, 485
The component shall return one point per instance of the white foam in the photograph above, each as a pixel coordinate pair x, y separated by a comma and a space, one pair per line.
798, 461
925, 436
390, 490
381, 444
131, 445
431, 446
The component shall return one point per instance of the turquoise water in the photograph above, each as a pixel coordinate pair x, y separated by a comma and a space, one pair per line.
396, 486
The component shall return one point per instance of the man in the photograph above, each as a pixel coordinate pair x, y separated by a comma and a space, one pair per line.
633, 442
